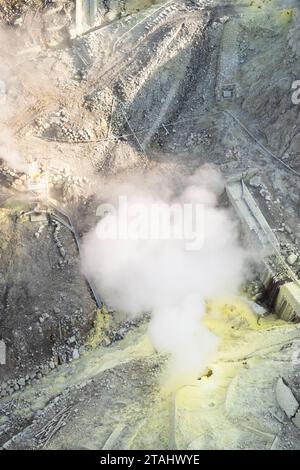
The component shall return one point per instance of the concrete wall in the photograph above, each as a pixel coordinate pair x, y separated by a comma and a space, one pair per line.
255, 226
288, 302
260, 236
85, 14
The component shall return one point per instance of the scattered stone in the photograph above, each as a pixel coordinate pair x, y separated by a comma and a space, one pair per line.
286, 399
75, 354
106, 341
21, 382
288, 229
45, 368
292, 258
72, 339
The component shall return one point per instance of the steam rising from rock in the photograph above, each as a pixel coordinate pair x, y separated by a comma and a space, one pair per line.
166, 279
26, 87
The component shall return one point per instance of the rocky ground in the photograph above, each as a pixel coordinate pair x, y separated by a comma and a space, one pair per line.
119, 396
136, 93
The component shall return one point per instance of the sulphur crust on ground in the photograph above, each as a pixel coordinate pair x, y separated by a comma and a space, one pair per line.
233, 407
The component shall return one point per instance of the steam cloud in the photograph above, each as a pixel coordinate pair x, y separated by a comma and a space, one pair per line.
9, 153
164, 278
26, 87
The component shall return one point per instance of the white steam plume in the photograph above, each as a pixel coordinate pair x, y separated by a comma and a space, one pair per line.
9, 153
166, 279
28, 86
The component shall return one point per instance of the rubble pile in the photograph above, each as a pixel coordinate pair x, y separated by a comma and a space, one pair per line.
13, 178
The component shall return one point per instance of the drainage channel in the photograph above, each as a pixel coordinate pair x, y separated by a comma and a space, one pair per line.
69, 225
